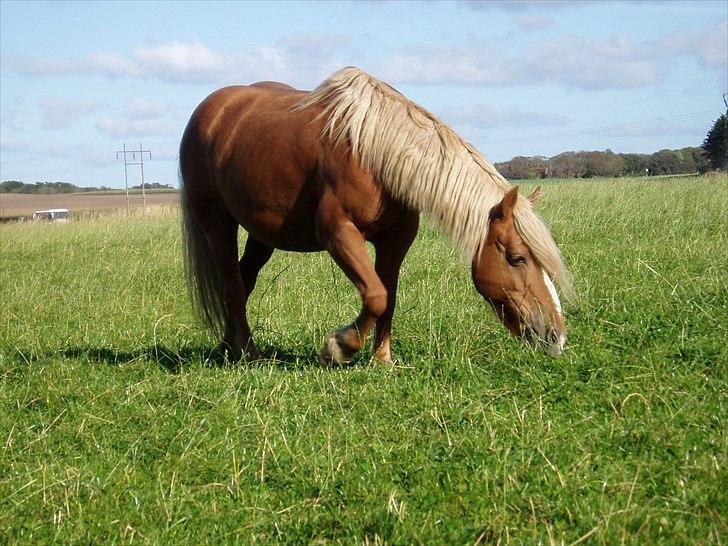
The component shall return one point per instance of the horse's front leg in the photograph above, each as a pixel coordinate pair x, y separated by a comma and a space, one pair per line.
347, 247
391, 246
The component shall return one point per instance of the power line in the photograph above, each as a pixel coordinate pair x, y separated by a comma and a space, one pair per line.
141, 151
651, 100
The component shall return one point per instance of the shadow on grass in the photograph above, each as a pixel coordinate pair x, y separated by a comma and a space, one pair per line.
175, 360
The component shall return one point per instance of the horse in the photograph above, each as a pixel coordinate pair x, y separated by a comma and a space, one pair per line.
352, 161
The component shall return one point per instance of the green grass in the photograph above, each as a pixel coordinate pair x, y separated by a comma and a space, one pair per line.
116, 427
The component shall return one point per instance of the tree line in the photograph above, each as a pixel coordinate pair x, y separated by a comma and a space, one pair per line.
15, 186
52, 188
711, 155
606, 164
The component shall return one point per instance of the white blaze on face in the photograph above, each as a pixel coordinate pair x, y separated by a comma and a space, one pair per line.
558, 347
552, 290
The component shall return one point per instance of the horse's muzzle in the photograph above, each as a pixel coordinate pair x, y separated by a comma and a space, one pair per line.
549, 338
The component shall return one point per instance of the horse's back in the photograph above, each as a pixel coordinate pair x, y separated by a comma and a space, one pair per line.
233, 111
268, 162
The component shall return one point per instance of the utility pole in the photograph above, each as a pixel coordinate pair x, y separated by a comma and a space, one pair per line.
126, 177
125, 153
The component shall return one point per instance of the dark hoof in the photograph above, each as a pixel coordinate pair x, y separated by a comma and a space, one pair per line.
336, 350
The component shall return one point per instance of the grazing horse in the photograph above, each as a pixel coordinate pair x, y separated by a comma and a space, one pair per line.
350, 162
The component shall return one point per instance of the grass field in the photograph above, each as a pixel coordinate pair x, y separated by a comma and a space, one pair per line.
117, 427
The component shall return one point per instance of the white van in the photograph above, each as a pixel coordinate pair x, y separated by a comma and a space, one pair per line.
52, 215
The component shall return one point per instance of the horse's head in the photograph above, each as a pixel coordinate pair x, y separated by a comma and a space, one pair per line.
519, 289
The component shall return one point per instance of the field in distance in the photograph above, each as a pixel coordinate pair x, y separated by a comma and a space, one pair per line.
25, 204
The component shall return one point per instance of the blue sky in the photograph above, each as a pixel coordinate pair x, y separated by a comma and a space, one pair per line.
514, 78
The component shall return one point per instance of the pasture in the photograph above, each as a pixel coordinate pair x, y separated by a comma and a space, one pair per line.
119, 426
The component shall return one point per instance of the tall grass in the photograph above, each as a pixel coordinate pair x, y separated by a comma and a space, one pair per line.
116, 425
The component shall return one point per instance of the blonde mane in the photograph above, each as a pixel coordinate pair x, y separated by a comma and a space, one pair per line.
424, 163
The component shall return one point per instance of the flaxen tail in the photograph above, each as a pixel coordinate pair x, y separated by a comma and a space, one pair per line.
204, 282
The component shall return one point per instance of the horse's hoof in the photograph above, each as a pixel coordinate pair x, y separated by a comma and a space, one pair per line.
333, 352
386, 360
229, 352
251, 355
382, 356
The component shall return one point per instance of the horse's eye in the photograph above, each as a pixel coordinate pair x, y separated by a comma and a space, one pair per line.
516, 260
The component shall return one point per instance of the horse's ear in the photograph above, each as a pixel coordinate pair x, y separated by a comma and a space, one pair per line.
535, 195
509, 202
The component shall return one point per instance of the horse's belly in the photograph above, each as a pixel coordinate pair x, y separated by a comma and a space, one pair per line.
278, 222
297, 239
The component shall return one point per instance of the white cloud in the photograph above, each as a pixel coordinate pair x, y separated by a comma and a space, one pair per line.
119, 127
452, 65
592, 64
528, 22
314, 48
182, 62
295, 59
39, 153
102, 63
144, 118
13, 145
486, 116
573, 61
16, 116
523, 5
145, 109
27, 65
62, 113
708, 46
173, 62
165, 151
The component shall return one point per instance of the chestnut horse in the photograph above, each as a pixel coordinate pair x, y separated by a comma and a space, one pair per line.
350, 162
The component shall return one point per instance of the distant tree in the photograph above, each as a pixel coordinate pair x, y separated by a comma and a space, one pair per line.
702, 164
692, 160
521, 167
568, 165
10, 186
635, 164
664, 162
605, 164
715, 143
46, 188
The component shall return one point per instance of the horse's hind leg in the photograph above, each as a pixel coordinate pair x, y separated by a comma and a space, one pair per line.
240, 278
255, 256
221, 232
347, 247
391, 247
